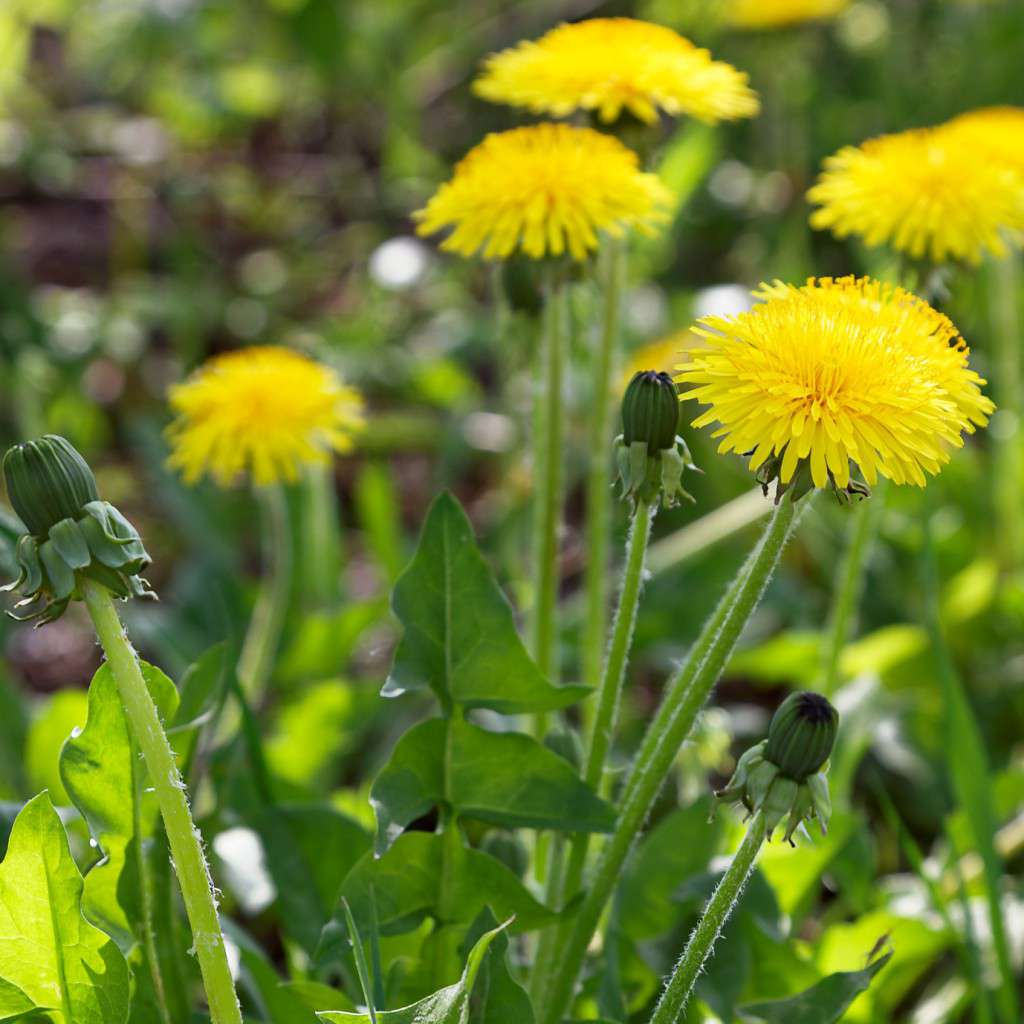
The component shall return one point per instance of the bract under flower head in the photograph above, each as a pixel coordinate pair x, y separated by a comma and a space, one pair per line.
925, 192
608, 65
546, 190
263, 411
834, 374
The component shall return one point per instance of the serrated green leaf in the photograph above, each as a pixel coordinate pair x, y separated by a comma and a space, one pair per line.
405, 886
823, 1003
502, 778
203, 687
448, 1006
49, 952
105, 779
460, 637
108, 783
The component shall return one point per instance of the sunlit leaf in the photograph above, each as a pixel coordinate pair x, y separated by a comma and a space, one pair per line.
50, 954
460, 637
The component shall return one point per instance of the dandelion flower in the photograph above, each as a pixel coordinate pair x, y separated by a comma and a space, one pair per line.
924, 192
757, 14
998, 132
262, 410
545, 189
608, 65
837, 372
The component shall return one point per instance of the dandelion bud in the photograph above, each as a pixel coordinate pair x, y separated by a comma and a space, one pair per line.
801, 735
650, 410
72, 533
783, 776
47, 481
651, 457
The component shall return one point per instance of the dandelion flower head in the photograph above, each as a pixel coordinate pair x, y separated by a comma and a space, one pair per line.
608, 65
545, 189
924, 192
997, 132
263, 410
768, 14
837, 372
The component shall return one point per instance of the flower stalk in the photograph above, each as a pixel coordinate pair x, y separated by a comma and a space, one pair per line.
684, 697
182, 835
597, 527
265, 627
549, 439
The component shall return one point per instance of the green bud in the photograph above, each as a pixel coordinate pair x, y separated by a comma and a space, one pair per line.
801, 735
72, 533
47, 481
650, 411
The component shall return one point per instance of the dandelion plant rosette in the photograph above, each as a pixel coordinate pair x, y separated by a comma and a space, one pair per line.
833, 376
611, 65
544, 191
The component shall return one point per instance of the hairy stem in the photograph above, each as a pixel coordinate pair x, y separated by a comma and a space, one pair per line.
684, 698
264, 633
702, 940
597, 527
548, 495
182, 834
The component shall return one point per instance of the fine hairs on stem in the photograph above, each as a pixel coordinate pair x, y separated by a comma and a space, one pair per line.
684, 698
182, 835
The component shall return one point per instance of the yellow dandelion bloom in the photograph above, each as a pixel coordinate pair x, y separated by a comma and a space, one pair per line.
924, 192
837, 372
264, 411
756, 14
545, 189
996, 131
608, 65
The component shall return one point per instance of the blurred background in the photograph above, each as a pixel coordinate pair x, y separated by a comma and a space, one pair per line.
182, 177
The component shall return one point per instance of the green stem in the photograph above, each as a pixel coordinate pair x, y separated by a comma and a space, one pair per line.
321, 549
264, 634
548, 496
182, 834
684, 697
677, 992
1004, 293
597, 527
602, 730
842, 618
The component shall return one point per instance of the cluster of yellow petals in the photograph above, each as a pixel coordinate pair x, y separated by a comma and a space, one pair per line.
837, 372
756, 14
262, 410
661, 355
932, 193
608, 65
546, 189
997, 132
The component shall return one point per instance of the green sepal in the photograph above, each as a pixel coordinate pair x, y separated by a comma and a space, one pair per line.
69, 543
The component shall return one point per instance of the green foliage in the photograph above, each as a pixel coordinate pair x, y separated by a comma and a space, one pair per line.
51, 957
460, 638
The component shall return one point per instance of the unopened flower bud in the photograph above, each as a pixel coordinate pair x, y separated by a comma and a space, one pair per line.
650, 411
651, 457
801, 735
71, 532
783, 776
47, 481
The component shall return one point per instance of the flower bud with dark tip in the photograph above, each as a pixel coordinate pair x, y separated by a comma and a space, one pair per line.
650, 410
71, 532
784, 776
801, 735
651, 457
